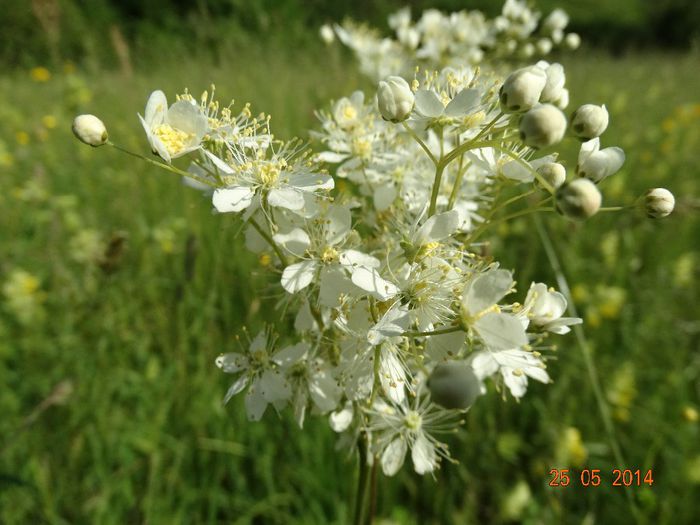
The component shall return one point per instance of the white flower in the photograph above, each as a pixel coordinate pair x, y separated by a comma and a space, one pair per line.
542, 126
522, 89
579, 199
395, 99
431, 107
90, 130
480, 312
282, 180
310, 379
544, 308
398, 427
173, 131
322, 254
589, 121
659, 202
348, 111
514, 367
597, 164
266, 384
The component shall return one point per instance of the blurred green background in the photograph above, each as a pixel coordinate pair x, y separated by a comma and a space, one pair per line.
119, 287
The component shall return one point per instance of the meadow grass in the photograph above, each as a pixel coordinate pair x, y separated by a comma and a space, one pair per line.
142, 436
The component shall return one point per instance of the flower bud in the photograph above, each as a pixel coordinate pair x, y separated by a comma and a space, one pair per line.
589, 121
90, 130
659, 202
578, 200
522, 89
544, 46
542, 126
395, 99
554, 173
454, 385
572, 41
327, 34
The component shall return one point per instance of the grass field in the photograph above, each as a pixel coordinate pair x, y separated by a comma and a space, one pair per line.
110, 401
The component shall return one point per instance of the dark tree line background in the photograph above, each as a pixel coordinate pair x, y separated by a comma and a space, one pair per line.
44, 31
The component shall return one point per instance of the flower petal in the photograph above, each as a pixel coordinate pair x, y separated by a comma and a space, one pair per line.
501, 331
393, 456
428, 103
232, 199
298, 276
288, 198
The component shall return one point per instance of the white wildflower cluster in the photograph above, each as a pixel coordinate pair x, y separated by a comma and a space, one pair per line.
436, 39
393, 316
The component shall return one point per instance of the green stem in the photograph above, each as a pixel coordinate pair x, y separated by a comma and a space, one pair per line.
362, 477
439, 169
458, 182
269, 240
420, 142
373, 492
587, 356
376, 384
168, 167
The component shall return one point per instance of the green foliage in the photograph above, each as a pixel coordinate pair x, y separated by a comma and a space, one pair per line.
143, 437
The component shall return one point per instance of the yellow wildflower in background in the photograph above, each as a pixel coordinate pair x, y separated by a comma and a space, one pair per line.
570, 450
40, 74
49, 121
623, 391
23, 296
22, 138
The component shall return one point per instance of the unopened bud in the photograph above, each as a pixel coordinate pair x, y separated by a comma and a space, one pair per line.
659, 202
578, 200
522, 89
554, 173
454, 385
542, 126
572, 41
327, 34
395, 99
544, 46
589, 121
90, 130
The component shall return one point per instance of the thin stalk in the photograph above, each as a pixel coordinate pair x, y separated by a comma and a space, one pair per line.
457, 183
373, 492
362, 477
439, 169
269, 240
376, 384
589, 363
420, 142
163, 165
